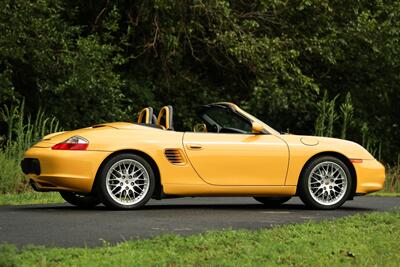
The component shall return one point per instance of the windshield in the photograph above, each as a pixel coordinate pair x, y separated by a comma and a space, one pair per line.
222, 119
266, 126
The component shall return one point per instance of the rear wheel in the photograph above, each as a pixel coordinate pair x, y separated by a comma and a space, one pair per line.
80, 200
326, 183
272, 201
126, 181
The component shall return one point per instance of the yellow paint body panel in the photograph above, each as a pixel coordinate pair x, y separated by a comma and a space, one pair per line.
370, 174
66, 170
214, 164
236, 159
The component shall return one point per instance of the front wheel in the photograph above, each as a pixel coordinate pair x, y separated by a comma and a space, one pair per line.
126, 181
325, 183
80, 200
272, 201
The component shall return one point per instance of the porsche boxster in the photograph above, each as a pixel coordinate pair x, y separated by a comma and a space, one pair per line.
228, 153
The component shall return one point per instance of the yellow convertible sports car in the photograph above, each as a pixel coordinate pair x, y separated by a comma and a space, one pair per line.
229, 153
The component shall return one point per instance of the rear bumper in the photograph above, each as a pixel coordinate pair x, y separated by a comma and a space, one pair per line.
55, 170
370, 176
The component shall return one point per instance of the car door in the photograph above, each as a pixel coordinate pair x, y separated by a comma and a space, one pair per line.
238, 159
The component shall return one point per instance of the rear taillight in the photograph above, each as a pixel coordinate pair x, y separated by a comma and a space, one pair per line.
72, 143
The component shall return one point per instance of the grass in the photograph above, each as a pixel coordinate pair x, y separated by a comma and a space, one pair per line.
30, 198
360, 240
392, 183
11, 178
22, 132
385, 194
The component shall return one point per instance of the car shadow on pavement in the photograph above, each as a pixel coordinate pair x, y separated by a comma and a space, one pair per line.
170, 207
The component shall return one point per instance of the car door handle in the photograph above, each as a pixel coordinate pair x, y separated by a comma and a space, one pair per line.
194, 146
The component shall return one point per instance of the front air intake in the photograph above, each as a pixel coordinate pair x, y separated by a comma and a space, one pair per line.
174, 156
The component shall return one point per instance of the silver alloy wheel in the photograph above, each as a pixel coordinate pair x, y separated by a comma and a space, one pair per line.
327, 183
127, 182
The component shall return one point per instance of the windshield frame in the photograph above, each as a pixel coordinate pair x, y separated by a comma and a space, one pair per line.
240, 112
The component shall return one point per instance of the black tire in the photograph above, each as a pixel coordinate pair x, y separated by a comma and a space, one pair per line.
101, 185
305, 193
272, 201
80, 200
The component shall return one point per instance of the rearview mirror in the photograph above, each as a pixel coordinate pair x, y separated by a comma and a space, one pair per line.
257, 127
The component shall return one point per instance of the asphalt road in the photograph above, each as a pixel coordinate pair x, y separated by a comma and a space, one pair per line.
67, 226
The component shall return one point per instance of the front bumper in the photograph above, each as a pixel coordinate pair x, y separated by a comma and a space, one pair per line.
370, 176
55, 170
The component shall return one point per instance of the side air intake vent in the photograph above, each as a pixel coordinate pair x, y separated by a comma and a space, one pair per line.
174, 156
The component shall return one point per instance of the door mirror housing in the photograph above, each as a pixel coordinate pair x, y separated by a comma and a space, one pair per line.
257, 127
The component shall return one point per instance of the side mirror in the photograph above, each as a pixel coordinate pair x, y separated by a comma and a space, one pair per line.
257, 127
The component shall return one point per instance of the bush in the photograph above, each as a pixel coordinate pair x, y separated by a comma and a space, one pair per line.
11, 177
393, 177
93, 61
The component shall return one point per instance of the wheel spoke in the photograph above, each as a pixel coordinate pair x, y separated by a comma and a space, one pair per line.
135, 175
128, 194
319, 176
114, 177
137, 192
133, 172
116, 192
113, 185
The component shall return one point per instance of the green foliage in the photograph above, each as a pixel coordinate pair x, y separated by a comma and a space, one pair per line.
393, 177
328, 123
346, 110
91, 61
45, 59
25, 198
8, 255
11, 177
371, 143
22, 132
89, 88
327, 117
369, 239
